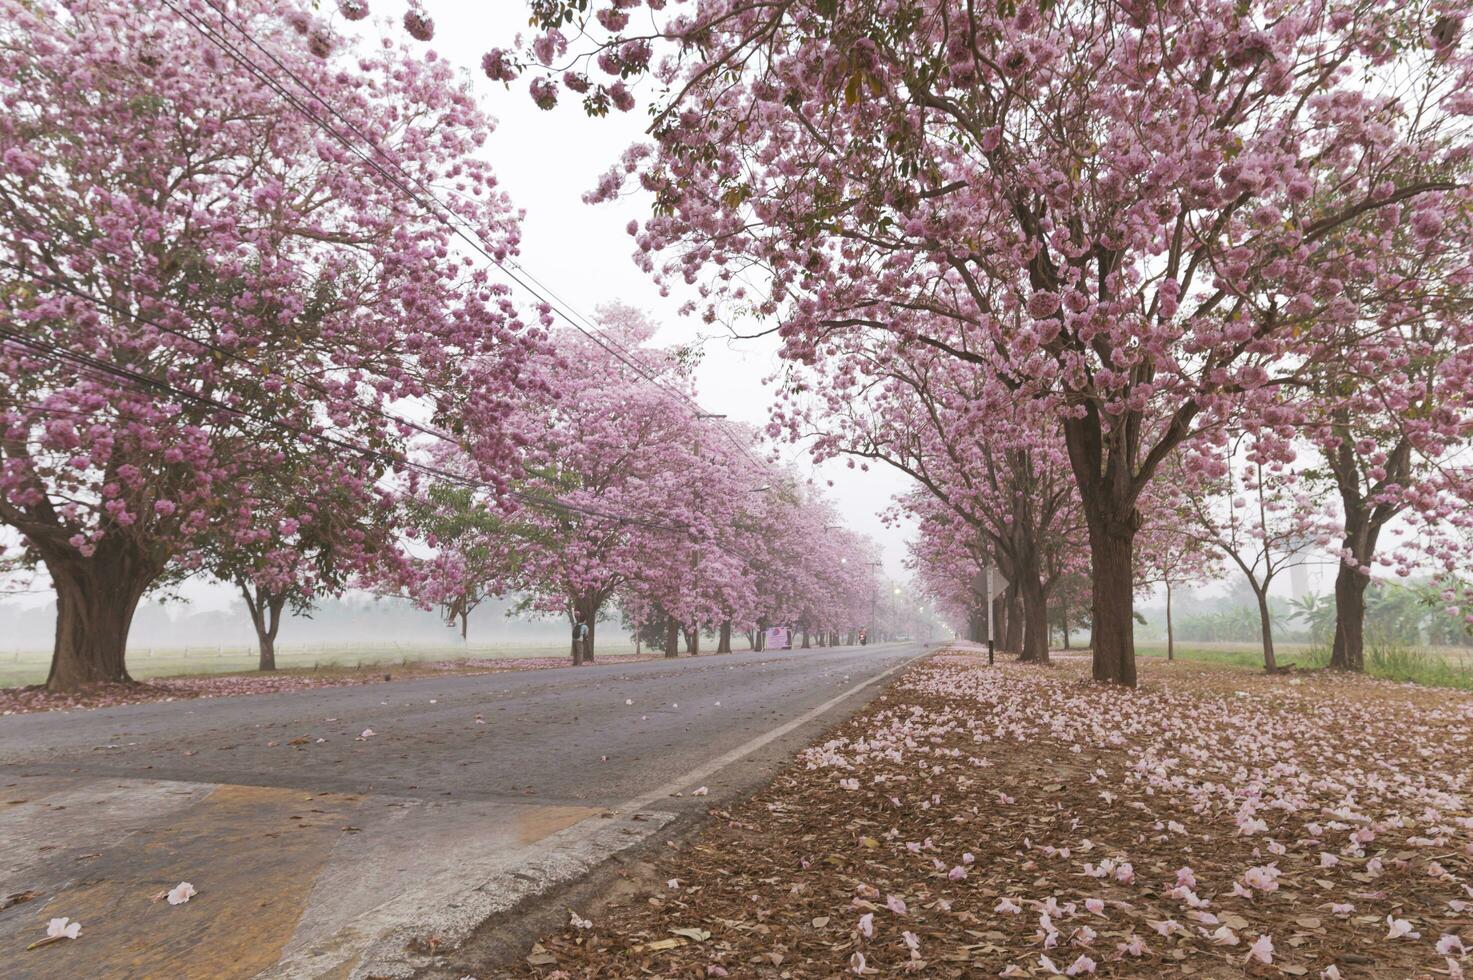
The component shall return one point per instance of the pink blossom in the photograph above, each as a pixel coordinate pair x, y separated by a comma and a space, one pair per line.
1262, 950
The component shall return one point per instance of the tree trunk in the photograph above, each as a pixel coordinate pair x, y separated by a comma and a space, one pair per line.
95, 601
1349, 649
805, 639
1035, 626
1113, 629
265, 609
1034, 600
1170, 636
1013, 641
1064, 622
723, 641
1265, 623
583, 652
693, 639
999, 628
672, 637
1363, 524
266, 644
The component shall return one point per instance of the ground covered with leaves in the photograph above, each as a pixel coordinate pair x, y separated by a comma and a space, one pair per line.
1018, 821
22, 700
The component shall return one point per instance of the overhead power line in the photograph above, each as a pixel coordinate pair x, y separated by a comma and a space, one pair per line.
426, 198
117, 372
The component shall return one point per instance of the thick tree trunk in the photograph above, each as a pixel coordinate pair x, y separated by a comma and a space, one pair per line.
1113, 629
256, 607
265, 609
1013, 640
1363, 524
95, 601
693, 639
805, 645
723, 641
1034, 601
1035, 626
266, 644
1349, 649
583, 652
672, 637
1266, 626
1170, 636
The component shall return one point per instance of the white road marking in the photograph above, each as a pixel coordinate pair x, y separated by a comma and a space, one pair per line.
696, 775
484, 886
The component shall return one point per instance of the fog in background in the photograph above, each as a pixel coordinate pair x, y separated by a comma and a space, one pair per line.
545, 161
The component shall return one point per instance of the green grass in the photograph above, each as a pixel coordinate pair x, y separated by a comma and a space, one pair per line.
1440, 667
1399, 663
18, 668
1226, 654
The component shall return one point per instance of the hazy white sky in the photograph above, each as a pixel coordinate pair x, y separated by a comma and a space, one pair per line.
546, 161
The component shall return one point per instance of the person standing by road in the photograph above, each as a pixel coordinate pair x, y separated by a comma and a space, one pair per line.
581, 653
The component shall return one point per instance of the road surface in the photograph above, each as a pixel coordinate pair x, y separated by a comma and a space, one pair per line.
351, 831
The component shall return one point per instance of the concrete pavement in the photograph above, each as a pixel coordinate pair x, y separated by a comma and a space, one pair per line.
320, 850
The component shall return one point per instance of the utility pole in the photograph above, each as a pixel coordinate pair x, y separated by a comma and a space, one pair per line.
873, 587
987, 572
695, 628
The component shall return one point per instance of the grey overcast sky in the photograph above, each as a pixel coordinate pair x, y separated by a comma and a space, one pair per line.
546, 161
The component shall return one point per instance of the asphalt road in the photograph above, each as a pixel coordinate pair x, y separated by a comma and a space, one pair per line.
321, 851
556, 736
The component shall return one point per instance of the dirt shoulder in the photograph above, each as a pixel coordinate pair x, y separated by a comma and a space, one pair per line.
1019, 821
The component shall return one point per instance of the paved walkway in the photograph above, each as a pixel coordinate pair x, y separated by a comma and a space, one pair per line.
322, 851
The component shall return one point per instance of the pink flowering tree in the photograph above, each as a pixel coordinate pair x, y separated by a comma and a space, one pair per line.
811, 573
233, 292
946, 559
972, 448
692, 573
605, 500
463, 531
318, 527
1147, 216
1390, 421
